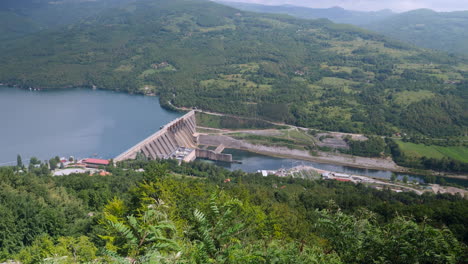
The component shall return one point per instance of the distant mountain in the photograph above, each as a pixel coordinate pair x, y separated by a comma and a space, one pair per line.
444, 31
195, 53
426, 28
335, 14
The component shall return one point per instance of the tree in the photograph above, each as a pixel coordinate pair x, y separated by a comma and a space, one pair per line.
393, 177
214, 232
34, 161
405, 179
150, 235
360, 239
53, 164
66, 250
19, 161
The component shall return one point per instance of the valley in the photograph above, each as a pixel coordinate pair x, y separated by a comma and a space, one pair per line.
194, 131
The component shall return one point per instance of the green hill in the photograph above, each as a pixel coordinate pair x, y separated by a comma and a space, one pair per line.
335, 14
429, 29
13, 25
201, 54
445, 31
20, 18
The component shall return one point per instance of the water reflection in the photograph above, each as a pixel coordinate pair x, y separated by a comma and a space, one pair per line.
251, 162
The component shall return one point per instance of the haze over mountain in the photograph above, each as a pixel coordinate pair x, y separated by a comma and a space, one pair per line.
370, 5
427, 28
445, 31
335, 14
201, 54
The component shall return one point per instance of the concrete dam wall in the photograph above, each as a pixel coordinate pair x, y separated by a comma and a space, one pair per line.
178, 133
178, 140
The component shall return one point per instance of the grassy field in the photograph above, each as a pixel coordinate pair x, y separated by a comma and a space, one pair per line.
418, 150
226, 122
407, 97
292, 139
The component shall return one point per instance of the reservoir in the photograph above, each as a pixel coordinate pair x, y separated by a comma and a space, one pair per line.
75, 122
95, 123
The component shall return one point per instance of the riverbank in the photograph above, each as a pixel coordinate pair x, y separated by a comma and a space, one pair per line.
396, 186
322, 157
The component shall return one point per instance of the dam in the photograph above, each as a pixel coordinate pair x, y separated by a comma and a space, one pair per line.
176, 140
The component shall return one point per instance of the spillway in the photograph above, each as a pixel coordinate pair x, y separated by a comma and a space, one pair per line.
178, 140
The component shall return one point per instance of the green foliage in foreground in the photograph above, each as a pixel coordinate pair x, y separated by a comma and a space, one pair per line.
311, 73
189, 214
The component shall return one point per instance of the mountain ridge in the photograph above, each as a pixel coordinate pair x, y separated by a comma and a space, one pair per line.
311, 73
444, 31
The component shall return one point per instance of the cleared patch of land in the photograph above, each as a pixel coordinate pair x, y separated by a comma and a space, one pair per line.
290, 138
419, 150
407, 97
234, 123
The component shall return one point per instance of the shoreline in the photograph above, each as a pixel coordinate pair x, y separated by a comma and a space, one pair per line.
330, 158
325, 157
353, 165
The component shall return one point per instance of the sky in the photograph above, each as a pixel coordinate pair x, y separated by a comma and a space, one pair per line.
369, 5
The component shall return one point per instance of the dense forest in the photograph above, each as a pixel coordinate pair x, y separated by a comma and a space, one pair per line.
427, 28
200, 213
335, 14
196, 53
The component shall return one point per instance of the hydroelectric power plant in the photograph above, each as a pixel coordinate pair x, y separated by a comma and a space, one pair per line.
176, 140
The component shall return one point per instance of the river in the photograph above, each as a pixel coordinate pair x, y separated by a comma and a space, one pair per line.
251, 162
96, 123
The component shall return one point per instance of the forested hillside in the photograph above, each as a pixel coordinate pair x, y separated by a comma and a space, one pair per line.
201, 54
427, 28
445, 31
335, 14
200, 213
21, 18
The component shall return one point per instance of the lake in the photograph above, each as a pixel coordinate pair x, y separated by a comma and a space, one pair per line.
96, 123
75, 122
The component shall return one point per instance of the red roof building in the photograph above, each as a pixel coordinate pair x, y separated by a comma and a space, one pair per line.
342, 180
94, 163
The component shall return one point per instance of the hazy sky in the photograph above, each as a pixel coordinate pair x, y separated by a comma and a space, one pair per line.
396, 5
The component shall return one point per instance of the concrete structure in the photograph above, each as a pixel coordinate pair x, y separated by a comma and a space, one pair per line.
212, 155
178, 140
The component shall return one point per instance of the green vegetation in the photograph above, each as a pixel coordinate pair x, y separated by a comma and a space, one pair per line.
290, 138
452, 158
21, 18
310, 73
443, 31
426, 28
165, 216
372, 147
335, 14
438, 152
229, 122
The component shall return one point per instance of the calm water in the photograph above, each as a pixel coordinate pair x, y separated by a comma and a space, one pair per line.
86, 123
76, 122
251, 162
